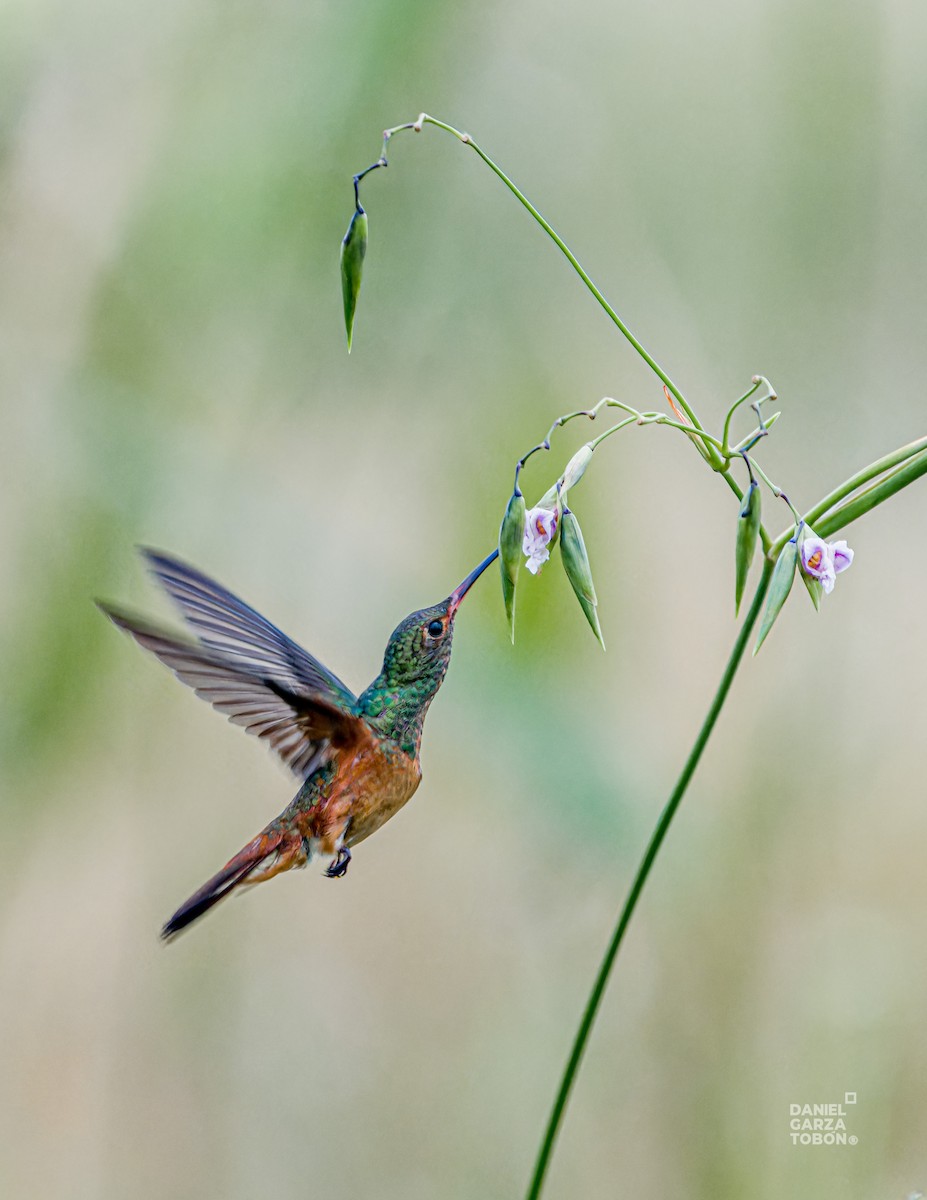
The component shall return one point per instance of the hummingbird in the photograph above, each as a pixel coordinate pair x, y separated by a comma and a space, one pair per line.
356, 757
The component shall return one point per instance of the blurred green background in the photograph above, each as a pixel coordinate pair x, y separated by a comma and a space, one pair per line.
747, 184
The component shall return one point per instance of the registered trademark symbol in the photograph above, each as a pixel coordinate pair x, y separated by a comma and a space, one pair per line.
852, 1139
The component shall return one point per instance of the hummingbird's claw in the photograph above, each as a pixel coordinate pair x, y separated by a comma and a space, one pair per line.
339, 867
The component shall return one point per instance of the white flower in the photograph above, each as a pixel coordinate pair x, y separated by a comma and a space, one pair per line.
824, 560
540, 528
842, 555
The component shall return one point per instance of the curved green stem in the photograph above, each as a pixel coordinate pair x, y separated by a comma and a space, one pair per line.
751, 439
574, 262
594, 442
725, 438
856, 481
872, 497
643, 871
828, 520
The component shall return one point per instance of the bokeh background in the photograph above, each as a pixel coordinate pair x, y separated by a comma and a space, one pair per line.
747, 183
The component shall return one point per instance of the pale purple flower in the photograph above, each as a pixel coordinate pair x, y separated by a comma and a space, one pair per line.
540, 527
842, 555
824, 560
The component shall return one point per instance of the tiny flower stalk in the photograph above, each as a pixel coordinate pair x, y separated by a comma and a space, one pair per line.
779, 587
748, 529
576, 565
353, 251
511, 540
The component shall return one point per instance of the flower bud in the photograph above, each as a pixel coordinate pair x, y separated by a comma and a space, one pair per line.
779, 588
748, 528
353, 249
576, 467
511, 537
576, 565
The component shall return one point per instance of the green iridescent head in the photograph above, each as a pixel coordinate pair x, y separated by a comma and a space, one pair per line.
419, 648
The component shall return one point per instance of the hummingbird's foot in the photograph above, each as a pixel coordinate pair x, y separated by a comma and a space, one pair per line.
340, 866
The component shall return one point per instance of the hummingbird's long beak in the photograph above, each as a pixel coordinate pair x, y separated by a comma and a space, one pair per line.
461, 590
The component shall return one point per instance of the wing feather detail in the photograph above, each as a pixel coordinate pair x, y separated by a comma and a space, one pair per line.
225, 624
247, 669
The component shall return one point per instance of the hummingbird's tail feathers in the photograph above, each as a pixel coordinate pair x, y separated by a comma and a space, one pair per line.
297, 725
284, 850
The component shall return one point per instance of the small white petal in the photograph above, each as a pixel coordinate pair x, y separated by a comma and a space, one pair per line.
842, 556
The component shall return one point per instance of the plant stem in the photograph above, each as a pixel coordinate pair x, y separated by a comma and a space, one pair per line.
855, 481
595, 442
725, 438
873, 496
914, 460
574, 262
643, 871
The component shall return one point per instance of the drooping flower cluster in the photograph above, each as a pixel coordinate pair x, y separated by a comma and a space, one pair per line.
530, 535
824, 560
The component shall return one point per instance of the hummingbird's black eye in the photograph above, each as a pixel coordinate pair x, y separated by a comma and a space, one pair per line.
435, 629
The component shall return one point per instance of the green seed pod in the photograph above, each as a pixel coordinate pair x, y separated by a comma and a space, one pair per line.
815, 589
511, 538
353, 249
779, 588
748, 528
576, 565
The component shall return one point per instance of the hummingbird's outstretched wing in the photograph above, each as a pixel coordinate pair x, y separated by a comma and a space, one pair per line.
247, 669
226, 624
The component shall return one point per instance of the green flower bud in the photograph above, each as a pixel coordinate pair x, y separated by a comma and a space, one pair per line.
576, 468
748, 528
576, 565
511, 536
779, 588
353, 249
815, 589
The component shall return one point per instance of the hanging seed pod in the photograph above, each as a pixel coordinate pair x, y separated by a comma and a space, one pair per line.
576, 565
353, 250
511, 536
779, 588
748, 528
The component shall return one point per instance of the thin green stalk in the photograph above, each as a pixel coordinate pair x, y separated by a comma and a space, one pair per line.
877, 494
914, 465
574, 262
856, 481
725, 437
612, 429
751, 439
643, 871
